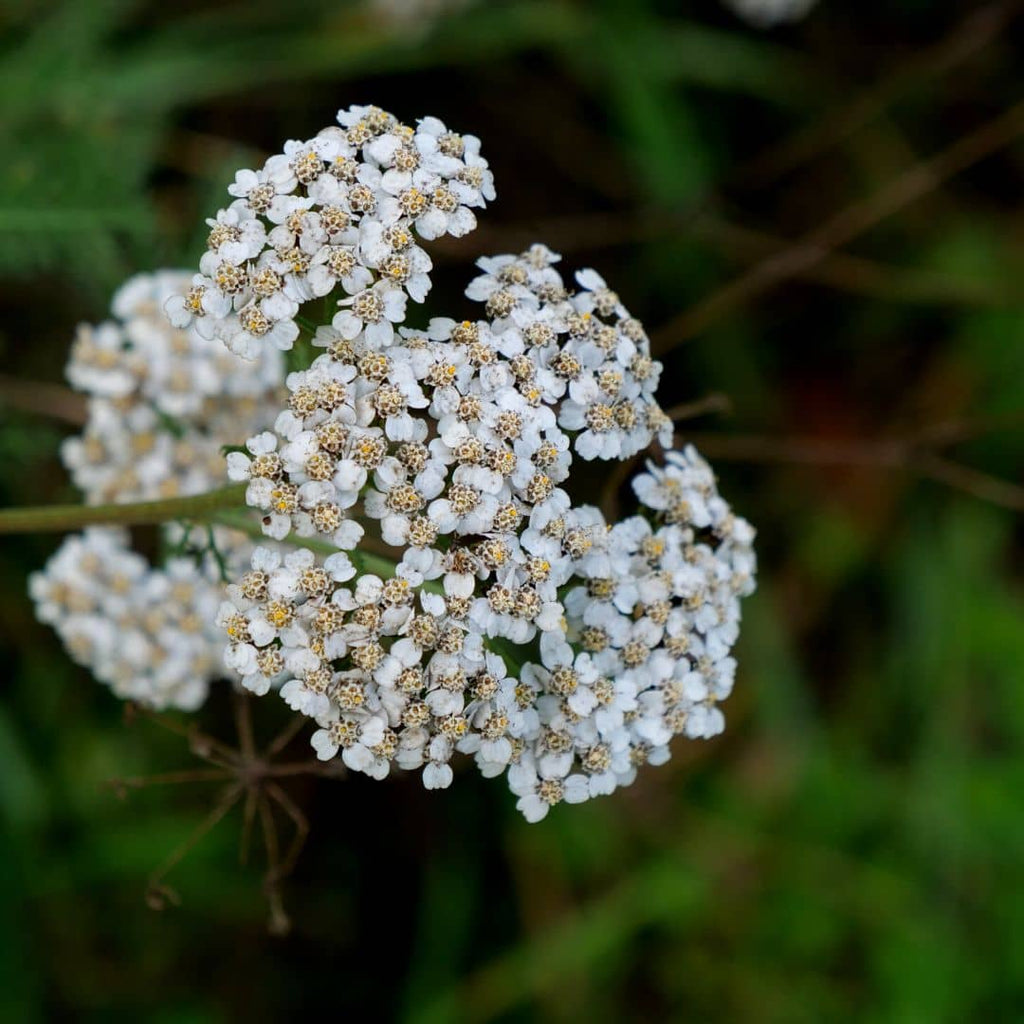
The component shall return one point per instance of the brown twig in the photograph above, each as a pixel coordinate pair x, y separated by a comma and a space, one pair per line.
249, 773
248, 816
169, 778
906, 454
860, 276
243, 724
285, 736
953, 431
845, 226
279, 922
200, 744
714, 402
970, 481
325, 769
837, 270
157, 892
301, 822
44, 399
976, 32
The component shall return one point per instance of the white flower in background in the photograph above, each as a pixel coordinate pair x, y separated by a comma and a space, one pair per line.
149, 634
413, 17
163, 401
769, 13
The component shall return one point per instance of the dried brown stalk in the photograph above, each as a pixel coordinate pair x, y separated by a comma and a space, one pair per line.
912, 455
851, 222
250, 774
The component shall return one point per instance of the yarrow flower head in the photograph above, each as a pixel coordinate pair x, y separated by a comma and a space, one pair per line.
335, 216
510, 626
427, 588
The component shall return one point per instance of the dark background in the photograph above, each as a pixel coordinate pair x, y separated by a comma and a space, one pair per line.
851, 848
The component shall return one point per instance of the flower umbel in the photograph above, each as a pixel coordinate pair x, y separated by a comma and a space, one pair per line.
501, 621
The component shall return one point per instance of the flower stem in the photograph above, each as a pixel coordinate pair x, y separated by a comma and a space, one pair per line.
48, 518
362, 559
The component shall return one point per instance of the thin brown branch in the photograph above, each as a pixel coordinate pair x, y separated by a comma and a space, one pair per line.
301, 822
157, 893
860, 276
618, 475
712, 403
205, 155
286, 735
954, 431
250, 773
243, 724
845, 226
970, 481
43, 399
969, 38
898, 453
333, 769
199, 743
248, 817
169, 778
279, 923
837, 270
814, 451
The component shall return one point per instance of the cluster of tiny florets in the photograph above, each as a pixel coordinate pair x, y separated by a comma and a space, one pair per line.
431, 590
149, 634
338, 213
509, 625
162, 402
464, 430
580, 351
633, 626
651, 618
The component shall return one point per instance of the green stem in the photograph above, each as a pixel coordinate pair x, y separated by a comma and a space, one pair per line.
364, 561
49, 518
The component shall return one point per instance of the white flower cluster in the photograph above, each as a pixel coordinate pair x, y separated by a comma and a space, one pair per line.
162, 402
769, 13
148, 634
398, 671
582, 352
462, 431
484, 614
340, 211
480, 634
651, 619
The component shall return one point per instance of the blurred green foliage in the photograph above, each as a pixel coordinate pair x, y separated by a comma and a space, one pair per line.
851, 849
